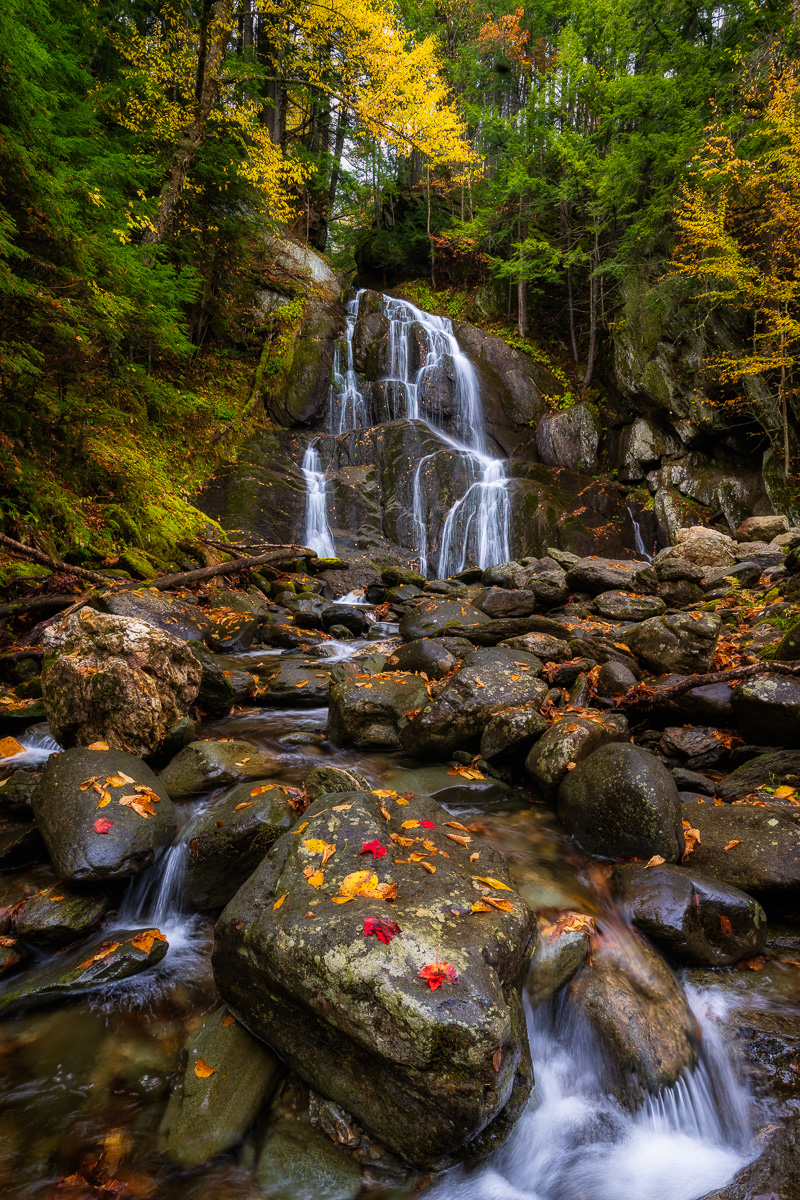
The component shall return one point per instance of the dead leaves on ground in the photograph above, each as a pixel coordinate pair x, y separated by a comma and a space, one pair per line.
141, 801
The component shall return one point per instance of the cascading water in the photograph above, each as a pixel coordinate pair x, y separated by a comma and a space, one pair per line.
637, 535
423, 356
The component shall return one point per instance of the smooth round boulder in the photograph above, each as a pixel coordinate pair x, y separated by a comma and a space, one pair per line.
58, 916
543, 645
567, 742
371, 712
435, 617
595, 575
204, 765
676, 642
622, 802
693, 918
509, 735
614, 679
103, 814
753, 848
435, 657
503, 602
768, 710
626, 606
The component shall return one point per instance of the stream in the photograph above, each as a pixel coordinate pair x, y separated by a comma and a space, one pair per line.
94, 1075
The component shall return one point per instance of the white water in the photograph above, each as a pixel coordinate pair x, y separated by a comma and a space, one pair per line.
575, 1142
637, 536
476, 527
317, 533
37, 745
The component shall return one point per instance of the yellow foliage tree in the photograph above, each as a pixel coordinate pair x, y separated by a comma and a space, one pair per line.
739, 234
182, 83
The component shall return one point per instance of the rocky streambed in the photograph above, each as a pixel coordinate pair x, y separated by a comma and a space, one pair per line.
481, 887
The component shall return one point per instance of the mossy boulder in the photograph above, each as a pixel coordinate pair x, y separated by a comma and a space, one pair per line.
372, 711
204, 765
58, 916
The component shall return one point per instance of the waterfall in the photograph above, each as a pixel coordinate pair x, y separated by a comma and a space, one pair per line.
431, 380
317, 533
637, 535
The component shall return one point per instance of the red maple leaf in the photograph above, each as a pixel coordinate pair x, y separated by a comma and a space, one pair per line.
436, 973
101, 825
374, 848
427, 825
384, 930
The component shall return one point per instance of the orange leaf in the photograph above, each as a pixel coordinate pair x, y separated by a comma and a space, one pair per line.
202, 1070
316, 878
503, 905
227, 1020
495, 883
462, 839
655, 861
474, 857
279, 901
141, 804
10, 747
435, 974
725, 926
480, 906
97, 746
106, 949
300, 829
466, 772
259, 791
302, 683
409, 825
105, 798
144, 941
730, 845
429, 867
692, 837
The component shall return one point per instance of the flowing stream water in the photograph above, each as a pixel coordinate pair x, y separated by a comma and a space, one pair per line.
425, 360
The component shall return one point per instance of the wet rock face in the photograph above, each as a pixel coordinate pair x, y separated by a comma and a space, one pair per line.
372, 712
423, 1070
701, 546
569, 740
487, 681
622, 606
201, 766
89, 838
596, 575
116, 680
371, 326
694, 919
58, 916
437, 617
755, 849
638, 1009
779, 768
176, 617
676, 642
622, 802
768, 710
437, 657
570, 439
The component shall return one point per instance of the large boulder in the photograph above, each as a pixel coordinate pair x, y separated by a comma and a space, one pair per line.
116, 680
702, 546
681, 642
596, 575
505, 602
753, 848
229, 1075
372, 711
487, 681
637, 1007
621, 802
438, 617
570, 438
568, 741
768, 710
178, 616
778, 768
624, 606
392, 987
762, 529
691, 917
58, 915
436, 657
204, 765
103, 814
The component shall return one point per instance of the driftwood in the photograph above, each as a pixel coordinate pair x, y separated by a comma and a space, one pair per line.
20, 551
15, 656
644, 697
32, 603
278, 555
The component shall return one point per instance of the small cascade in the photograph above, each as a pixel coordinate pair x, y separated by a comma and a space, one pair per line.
317, 533
637, 535
156, 894
429, 379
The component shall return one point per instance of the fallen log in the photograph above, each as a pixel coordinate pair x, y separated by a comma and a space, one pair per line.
642, 696
278, 555
28, 552
32, 603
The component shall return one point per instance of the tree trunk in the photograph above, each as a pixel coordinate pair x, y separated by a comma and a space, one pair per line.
215, 34
522, 283
338, 149
590, 357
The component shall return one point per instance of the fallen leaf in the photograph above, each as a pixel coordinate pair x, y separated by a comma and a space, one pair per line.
385, 813
457, 825
279, 901
427, 825
383, 930
87, 783
230, 1019
410, 825
97, 746
497, 1058
316, 878
244, 804
435, 974
105, 798
384, 794
401, 841
302, 683
300, 828
202, 1070
474, 857
730, 845
103, 952
259, 791
330, 850
117, 780
495, 883
692, 837
462, 839
141, 804
315, 845
101, 825
655, 861
374, 848
144, 941
757, 963
480, 906
466, 772
10, 747
781, 793
502, 905
342, 807
725, 926
429, 867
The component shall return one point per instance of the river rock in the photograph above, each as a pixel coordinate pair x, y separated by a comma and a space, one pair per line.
621, 802
693, 918
614, 679
638, 1009
568, 741
595, 575
763, 845
351, 617
422, 1070
304, 685
762, 529
701, 546
299, 1161
676, 642
16, 793
502, 602
227, 841
435, 617
20, 844
323, 781
231, 632
487, 681
58, 916
543, 645
371, 326
700, 747
559, 953
229, 1075
549, 587
788, 648
371, 712
778, 768
509, 735
204, 765
105, 959
179, 617
743, 575
436, 657
503, 629
775, 1174
768, 710
116, 680
90, 834
216, 694
625, 606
